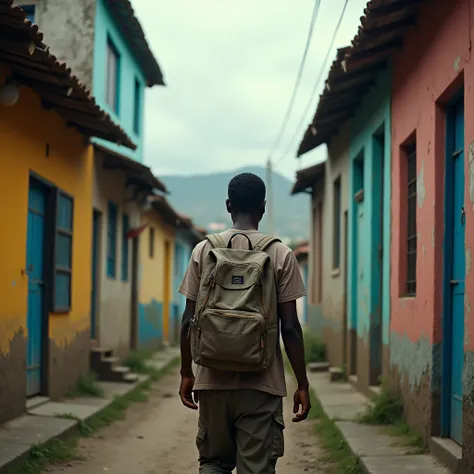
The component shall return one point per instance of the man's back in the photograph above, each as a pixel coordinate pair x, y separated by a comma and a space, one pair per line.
289, 287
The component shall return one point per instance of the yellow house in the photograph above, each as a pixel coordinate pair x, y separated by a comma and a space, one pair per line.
46, 168
155, 281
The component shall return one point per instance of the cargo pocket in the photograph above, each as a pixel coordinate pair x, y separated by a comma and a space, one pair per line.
278, 447
201, 442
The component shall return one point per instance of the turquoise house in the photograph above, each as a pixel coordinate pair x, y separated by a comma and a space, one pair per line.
103, 41
369, 233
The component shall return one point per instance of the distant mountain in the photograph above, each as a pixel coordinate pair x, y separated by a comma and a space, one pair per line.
202, 197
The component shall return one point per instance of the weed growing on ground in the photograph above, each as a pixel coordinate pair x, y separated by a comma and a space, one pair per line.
87, 386
136, 361
337, 450
387, 410
53, 452
59, 452
315, 350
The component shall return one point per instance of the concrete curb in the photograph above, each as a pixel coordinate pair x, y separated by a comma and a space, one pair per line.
378, 453
39, 426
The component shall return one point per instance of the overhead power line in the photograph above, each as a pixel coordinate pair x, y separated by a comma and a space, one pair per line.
316, 86
284, 123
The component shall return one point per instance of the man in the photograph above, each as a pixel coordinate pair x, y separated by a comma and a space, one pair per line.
240, 414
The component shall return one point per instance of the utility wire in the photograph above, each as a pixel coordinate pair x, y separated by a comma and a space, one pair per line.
284, 124
316, 86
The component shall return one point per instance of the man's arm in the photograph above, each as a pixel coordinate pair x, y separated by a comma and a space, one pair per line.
292, 336
187, 376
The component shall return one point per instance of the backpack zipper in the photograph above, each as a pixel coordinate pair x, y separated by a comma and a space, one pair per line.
195, 318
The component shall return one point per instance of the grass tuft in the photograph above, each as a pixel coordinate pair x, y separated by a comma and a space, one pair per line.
315, 350
62, 452
387, 410
136, 361
87, 386
336, 449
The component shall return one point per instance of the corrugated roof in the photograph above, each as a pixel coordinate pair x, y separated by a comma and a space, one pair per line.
308, 178
354, 71
132, 31
31, 64
136, 172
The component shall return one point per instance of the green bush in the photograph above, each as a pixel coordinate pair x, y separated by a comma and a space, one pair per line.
385, 410
315, 349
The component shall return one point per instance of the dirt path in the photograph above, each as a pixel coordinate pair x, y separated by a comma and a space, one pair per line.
158, 437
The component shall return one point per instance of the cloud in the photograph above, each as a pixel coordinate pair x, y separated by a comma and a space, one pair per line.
230, 68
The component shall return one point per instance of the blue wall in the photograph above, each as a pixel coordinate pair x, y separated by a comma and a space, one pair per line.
129, 70
182, 252
364, 305
150, 325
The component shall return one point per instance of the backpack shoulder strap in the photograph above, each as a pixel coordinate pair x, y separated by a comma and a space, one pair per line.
216, 241
264, 242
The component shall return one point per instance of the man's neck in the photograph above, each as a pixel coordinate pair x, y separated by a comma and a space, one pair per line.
244, 223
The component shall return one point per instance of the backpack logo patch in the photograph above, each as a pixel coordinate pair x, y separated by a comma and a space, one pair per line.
237, 280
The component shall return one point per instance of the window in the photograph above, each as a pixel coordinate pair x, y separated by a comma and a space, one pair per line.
411, 219
152, 242
337, 224
112, 241
113, 76
62, 268
137, 106
125, 245
30, 12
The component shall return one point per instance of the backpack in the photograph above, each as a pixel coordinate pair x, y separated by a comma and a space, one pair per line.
235, 326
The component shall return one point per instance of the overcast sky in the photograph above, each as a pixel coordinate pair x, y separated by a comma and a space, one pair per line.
230, 68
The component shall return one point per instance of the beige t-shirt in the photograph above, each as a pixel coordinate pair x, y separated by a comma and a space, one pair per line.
290, 287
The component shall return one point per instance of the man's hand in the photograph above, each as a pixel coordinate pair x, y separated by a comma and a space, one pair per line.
302, 404
186, 393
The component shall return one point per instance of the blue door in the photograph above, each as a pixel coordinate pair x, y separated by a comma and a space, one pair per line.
456, 264
95, 260
35, 250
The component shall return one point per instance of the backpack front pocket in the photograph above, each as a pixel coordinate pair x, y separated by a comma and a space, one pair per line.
235, 337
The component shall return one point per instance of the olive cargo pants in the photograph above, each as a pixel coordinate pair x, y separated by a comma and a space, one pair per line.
239, 428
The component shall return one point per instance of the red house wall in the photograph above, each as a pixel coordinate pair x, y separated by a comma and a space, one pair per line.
434, 63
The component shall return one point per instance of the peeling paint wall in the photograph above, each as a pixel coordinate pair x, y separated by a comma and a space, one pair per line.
441, 40
113, 319
155, 285
38, 140
330, 309
68, 28
369, 290
77, 32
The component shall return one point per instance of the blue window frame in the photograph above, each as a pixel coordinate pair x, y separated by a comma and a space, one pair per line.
137, 107
30, 12
125, 245
112, 241
112, 86
62, 254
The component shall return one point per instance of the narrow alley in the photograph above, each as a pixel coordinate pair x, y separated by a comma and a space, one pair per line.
157, 437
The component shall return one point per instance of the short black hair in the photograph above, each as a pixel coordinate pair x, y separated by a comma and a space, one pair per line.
246, 193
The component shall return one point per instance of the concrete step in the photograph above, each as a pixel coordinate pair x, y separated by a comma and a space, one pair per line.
131, 377
111, 360
336, 374
447, 452
318, 366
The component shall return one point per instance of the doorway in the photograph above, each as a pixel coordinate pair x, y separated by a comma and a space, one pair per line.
134, 298
454, 274
377, 284
38, 197
96, 226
